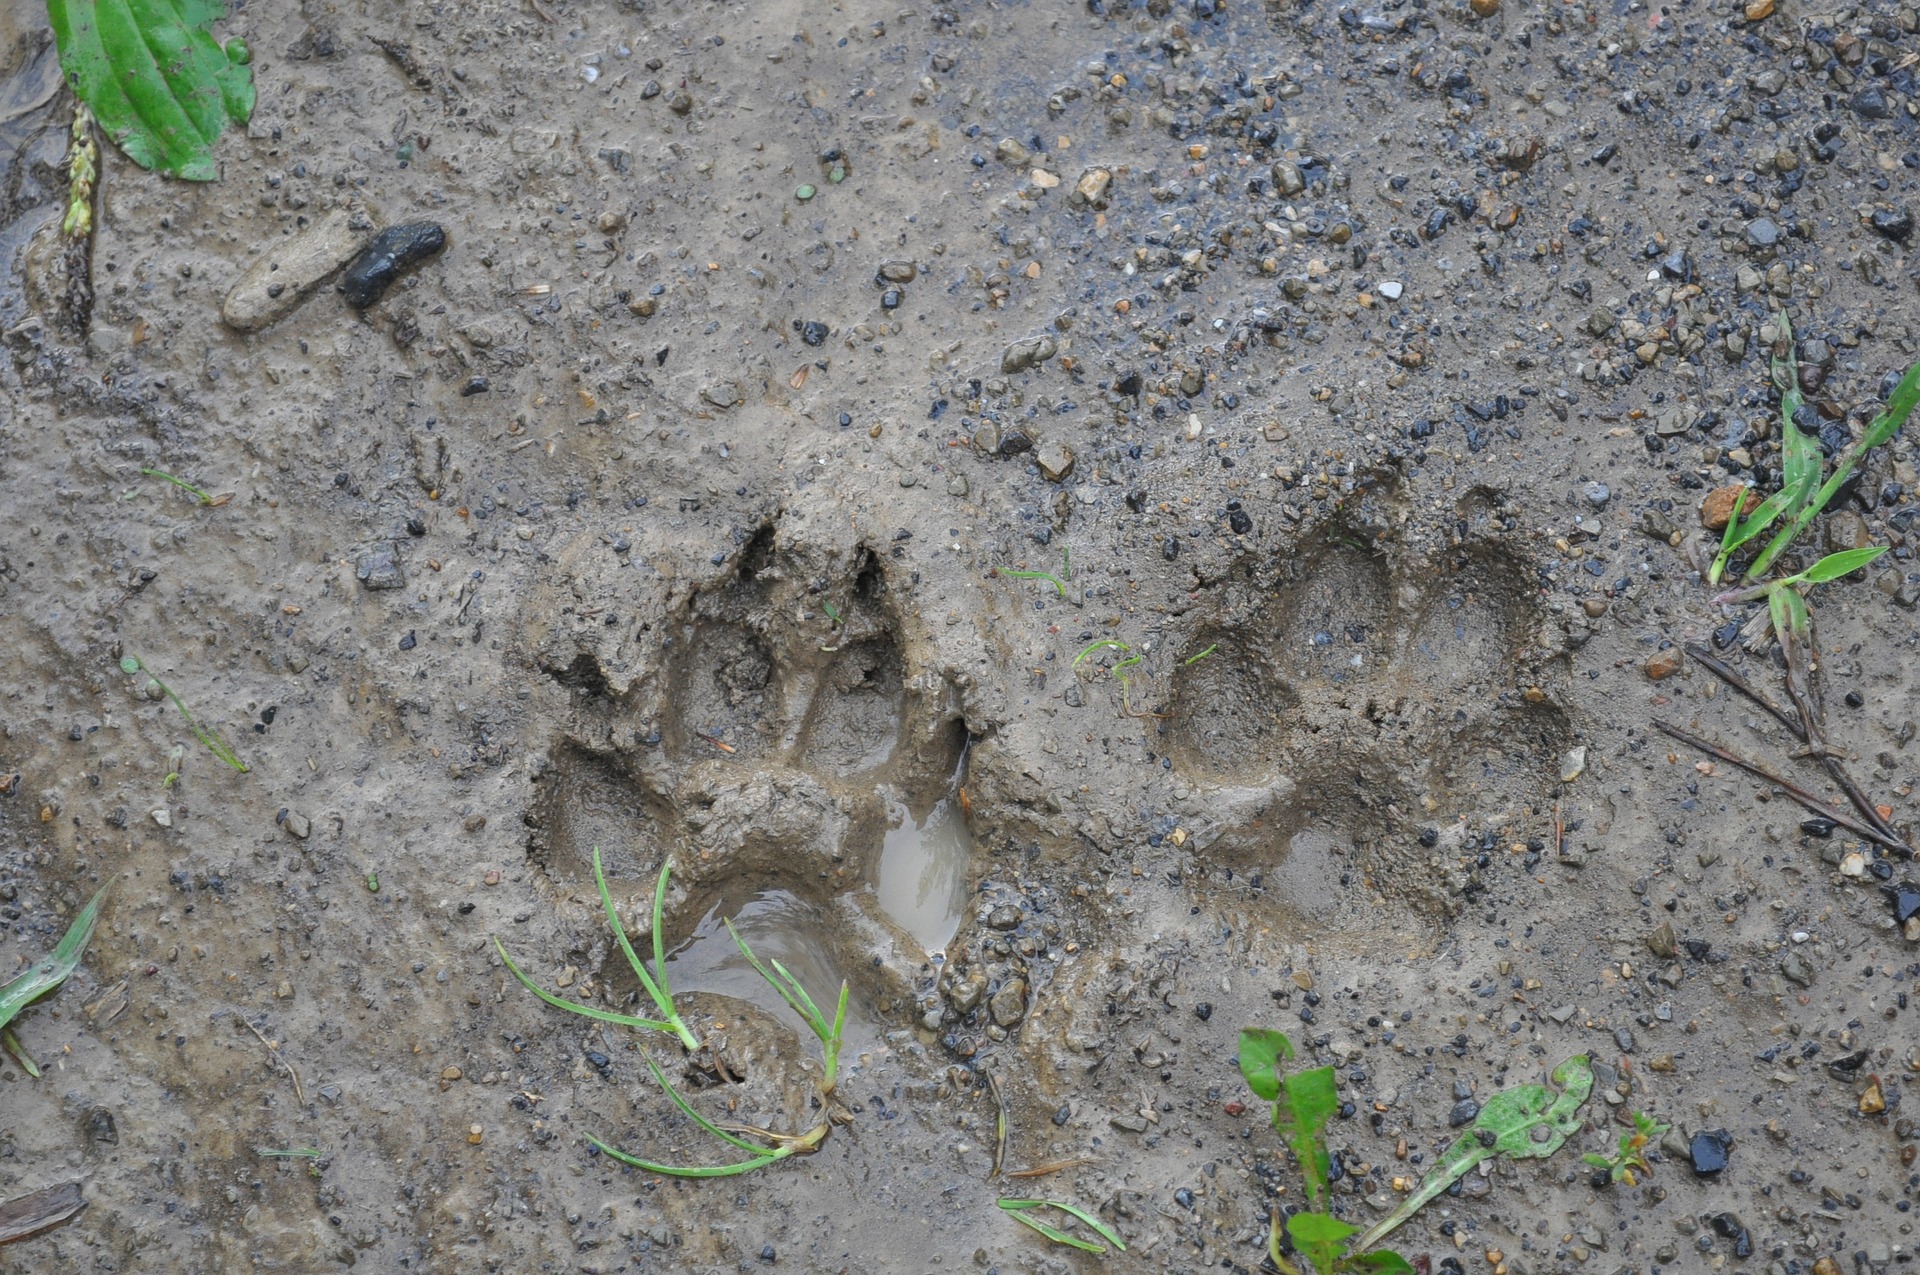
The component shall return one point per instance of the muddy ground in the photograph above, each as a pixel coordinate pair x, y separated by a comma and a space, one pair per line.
1377, 357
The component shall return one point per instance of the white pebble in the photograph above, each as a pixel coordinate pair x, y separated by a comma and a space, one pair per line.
1392, 289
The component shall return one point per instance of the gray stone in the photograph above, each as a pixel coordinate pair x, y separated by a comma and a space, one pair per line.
379, 567
1031, 352
299, 825
1055, 461
1287, 178
1009, 1004
289, 270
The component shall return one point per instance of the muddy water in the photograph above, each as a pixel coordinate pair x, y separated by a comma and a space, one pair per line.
921, 878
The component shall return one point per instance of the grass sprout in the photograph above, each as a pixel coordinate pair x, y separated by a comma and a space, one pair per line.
1802, 495
211, 502
131, 666
802, 1004
1195, 659
1021, 1211
656, 984
759, 1156
1066, 573
51, 970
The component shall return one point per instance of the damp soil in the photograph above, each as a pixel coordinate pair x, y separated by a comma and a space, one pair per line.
1355, 374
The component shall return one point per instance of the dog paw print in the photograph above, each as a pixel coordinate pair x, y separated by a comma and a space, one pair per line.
764, 731
1363, 701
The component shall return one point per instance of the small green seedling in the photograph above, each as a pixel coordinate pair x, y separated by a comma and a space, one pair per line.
211, 502
47, 973
1195, 659
373, 882
802, 1004
669, 1021
833, 613
1802, 496
1021, 1212
782, 1145
175, 756
1303, 1102
131, 666
1066, 573
1632, 1153
1527, 1122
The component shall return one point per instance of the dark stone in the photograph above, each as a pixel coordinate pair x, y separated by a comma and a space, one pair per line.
1818, 826
1464, 1112
379, 568
1203, 1011
1905, 898
1892, 223
813, 332
1871, 103
393, 252
1240, 522
1013, 442
1728, 1226
101, 1129
1763, 233
1709, 1151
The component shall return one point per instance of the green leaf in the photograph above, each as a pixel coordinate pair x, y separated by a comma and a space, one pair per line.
1899, 406
129, 664
1505, 1127
155, 79
657, 989
700, 1171
1018, 1210
1261, 1050
1386, 1262
604, 1015
1307, 1101
1320, 1237
52, 969
1835, 565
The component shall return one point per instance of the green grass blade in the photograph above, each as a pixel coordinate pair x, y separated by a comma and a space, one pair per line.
1900, 405
19, 1052
1011, 574
1091, 647
1835, 565
812, 1012
662, 997
52, 969
1018, 1210
687, 1109
805, 1009
1195, 659
604, 1015
680, 1171
830, 1047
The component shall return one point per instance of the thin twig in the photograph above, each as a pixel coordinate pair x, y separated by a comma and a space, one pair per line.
1726, 673
1824, 809
1000, 1125
273, 1052
1042, 1170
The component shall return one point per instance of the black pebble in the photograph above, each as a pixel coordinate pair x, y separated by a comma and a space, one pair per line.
1709, 1151
1063, 1114
1729, 1227
1905, 898
813, 332
1203, 1011
1464, 1112
1240, 522
408, 642
1013, 442
393, 252
1892, 223
1818, 826
416, 527
768, 1255
474, 385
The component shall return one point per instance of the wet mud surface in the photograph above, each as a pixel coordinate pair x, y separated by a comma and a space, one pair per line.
1355, 373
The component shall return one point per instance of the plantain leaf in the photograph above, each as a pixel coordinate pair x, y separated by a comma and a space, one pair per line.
1261, 1050
154, 78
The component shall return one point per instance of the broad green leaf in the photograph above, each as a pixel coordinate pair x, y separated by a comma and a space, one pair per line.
1307, 1101
1320, 1237
1759, 520
1385, 1262
1261, 1050
52, 969
1835, 565
1505, 1127
155, 79
1777, 609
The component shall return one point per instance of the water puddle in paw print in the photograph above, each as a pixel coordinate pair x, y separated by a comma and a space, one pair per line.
921, 877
